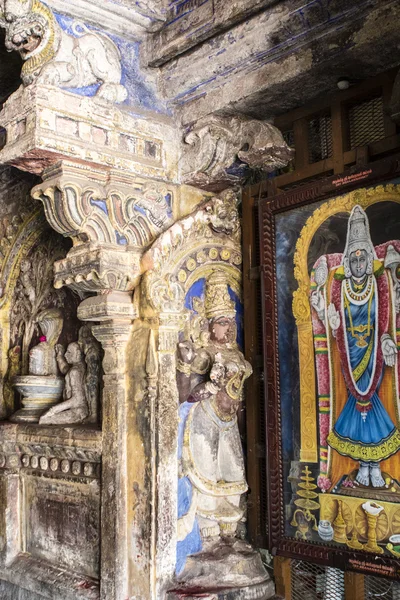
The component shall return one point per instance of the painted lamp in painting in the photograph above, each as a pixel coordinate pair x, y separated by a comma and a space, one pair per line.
354, 330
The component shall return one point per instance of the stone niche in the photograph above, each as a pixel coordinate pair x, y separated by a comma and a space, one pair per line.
49, 475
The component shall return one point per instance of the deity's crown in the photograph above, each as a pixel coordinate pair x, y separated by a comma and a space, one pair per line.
218, 302
358, 235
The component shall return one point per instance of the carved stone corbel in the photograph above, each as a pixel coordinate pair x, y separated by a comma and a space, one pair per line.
218, 151
111, 219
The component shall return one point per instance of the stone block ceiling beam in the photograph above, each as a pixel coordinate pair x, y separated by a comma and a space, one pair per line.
122, 17
189, 23
278, 59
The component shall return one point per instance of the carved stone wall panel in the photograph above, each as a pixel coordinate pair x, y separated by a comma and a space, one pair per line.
26, 272
62, 523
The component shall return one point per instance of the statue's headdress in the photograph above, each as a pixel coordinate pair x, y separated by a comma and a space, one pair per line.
358, 238
218, 302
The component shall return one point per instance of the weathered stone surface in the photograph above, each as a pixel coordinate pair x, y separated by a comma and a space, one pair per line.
122, 17
12, 592
191, 22
45, 124
278, 59
262, 591
218, 151
38, 578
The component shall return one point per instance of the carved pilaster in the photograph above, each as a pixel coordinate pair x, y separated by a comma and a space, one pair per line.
166, 449
219, 151
115, 313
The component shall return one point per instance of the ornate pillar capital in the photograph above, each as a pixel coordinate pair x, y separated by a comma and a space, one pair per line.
111, 217
218, 151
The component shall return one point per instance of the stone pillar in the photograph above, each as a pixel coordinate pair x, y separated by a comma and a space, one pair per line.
167, 450
115, 313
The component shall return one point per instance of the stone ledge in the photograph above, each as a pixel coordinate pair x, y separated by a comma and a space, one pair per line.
45, 124
112, 15
50, 581
261, 591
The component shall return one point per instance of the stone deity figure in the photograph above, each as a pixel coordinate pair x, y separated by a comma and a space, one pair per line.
354, 302
210, 381
74, 408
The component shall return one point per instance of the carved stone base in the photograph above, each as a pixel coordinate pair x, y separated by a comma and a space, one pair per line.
261, 591
39, 394
228, 569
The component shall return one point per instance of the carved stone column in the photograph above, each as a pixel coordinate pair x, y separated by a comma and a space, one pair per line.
166, 449
115, 313
109, 183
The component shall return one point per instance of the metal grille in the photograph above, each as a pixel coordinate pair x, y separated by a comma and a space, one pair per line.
313, 582
366, 122
319, 138
378, 588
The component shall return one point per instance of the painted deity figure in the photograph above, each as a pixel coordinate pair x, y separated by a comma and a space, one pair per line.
353, 304
210, 381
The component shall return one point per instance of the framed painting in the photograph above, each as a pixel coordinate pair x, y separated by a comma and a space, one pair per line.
331, 310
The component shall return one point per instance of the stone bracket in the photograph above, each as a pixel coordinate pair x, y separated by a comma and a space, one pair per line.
219, 151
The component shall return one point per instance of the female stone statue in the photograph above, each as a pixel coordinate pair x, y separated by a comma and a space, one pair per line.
210, 380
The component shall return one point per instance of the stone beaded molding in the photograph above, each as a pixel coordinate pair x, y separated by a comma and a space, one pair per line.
59, 460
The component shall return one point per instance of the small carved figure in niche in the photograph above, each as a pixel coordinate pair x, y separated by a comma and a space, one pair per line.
92, 351
27, 281
210, 378
74, 408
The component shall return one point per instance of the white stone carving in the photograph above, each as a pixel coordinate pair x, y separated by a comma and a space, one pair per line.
218, 150
54, 57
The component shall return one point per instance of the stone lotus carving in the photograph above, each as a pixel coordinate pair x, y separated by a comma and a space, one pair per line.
53, 57
218, 150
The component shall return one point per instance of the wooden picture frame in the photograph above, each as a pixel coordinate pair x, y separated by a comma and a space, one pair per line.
340, 193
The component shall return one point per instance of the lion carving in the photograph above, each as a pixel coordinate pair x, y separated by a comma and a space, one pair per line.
53, 57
